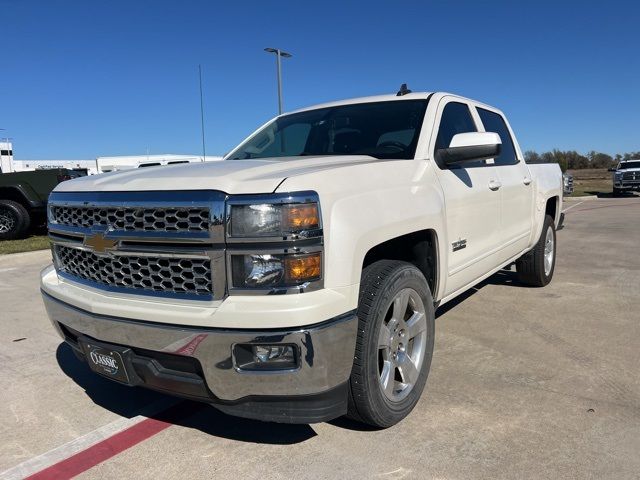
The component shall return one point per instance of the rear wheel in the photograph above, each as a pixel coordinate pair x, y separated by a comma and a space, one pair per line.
394, 345
536, 267
14, 220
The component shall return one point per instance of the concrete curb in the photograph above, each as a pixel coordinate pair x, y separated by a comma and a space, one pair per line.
580, 199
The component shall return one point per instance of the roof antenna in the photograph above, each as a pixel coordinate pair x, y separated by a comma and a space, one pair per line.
403, 90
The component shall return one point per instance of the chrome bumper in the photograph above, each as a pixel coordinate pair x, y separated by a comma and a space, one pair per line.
326, 350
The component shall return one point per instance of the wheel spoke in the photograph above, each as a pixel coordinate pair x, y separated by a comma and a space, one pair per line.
384, 338
408, 370
400, 305
416, 324
387, 377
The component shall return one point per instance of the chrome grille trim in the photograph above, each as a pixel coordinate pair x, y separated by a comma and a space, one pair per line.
136, 204
202, 246
189, 276
185, 219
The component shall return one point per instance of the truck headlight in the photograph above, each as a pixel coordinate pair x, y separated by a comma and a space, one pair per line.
274, 243
278, 216
275, 270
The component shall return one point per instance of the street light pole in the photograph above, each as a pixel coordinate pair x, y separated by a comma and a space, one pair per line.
279, 53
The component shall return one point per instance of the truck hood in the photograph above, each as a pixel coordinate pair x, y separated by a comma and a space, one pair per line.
230, 176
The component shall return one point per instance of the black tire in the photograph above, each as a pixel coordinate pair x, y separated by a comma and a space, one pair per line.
531, 266
14, 220
382, 282
616, 192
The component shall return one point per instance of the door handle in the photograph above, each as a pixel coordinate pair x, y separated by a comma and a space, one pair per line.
527, 181
494, 185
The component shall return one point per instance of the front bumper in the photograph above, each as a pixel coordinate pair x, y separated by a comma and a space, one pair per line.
626, 185
198, 363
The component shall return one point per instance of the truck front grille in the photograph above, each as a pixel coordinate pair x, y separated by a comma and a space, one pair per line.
631, 176
131, 219
159, 274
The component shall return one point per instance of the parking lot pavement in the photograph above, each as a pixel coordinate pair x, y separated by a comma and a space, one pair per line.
536, 383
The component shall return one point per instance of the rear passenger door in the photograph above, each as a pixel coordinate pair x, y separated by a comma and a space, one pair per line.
516, 189
472, 207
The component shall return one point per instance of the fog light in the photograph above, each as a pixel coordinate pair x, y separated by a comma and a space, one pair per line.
265, 357
272, 353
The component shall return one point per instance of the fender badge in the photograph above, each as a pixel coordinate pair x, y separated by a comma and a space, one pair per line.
459, 245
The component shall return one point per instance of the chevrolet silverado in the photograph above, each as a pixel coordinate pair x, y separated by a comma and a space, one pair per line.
297, 279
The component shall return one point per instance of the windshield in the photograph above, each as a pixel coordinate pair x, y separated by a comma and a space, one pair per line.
625, 165
381, 130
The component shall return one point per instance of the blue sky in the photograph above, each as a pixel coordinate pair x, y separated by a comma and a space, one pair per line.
87, 78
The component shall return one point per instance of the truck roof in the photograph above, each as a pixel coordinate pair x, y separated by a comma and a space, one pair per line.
387, 98
374, 98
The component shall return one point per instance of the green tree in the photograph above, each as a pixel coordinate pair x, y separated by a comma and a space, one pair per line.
531, 157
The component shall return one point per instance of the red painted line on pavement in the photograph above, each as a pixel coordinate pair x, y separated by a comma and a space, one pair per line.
112, 446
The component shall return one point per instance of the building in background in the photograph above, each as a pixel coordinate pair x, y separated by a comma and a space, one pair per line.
6, 156
99, 165
27, 165
128, 162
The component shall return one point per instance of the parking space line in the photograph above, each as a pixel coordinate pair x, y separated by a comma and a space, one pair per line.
569, 208
615, 205
92, 448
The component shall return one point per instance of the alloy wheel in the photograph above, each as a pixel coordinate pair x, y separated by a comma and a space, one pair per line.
401, 344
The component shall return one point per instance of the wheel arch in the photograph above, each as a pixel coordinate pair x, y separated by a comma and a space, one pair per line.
17, 194
419, 248
552, 208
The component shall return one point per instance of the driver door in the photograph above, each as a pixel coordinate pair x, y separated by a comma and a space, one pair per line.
472, 203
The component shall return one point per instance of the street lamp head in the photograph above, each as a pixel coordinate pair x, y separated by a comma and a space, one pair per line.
278, 52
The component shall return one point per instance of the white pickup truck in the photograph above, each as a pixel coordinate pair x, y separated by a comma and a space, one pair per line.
296, 280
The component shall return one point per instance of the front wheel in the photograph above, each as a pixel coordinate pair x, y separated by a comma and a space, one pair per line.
536, 267
394, 345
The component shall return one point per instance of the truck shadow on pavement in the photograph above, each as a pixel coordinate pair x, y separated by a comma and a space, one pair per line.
504, 277
131, 401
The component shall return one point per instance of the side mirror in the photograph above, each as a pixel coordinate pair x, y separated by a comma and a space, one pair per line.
611, 169
466, 147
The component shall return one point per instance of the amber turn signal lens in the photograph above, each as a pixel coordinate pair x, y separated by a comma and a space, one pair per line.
303, 268
300, 216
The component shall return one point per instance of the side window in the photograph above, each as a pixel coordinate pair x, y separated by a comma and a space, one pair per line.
493, 122
456, 118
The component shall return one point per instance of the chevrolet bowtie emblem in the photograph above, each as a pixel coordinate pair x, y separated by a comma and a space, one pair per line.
99, 244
